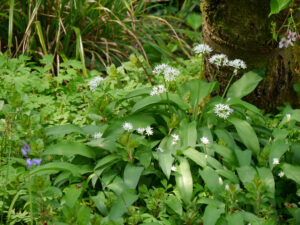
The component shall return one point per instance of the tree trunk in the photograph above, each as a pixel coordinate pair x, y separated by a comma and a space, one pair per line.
242, 29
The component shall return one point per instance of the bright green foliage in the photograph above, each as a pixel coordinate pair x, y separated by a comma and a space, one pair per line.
188, 165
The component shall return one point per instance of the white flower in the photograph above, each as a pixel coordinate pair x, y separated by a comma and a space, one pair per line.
288, 117
158, 90
160, 149
175, 139
219, 60
127, 126
275, 161
227, 187
237, 64
173, 168
171, 73
206, 156
95, 83
141, 130
97, 135
149, 131
204, 140
202, 49
222, 110
220, 181
285, 43
159, 69
281, 174
291, 35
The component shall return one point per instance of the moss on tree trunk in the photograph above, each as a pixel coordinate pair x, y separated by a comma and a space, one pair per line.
242, 29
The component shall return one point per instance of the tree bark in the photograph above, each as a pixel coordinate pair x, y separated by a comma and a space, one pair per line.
242, 29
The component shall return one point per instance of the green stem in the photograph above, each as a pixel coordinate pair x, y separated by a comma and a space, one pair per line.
167, 94
216, 74
30, 198
228, 84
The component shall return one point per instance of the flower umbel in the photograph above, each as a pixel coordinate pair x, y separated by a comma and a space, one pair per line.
223, 110
237, 64
127, 126
149, 131
169, 72
219, 60
275, 161
95, 83
281, 174
202, 49
158, 90
204, 140
175, 139
97, 135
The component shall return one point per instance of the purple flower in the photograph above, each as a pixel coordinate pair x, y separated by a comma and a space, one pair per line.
37, 161
29, 162
26, 149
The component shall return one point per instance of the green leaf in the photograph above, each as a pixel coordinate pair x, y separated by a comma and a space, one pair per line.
197, 90
292, 172
278, 148
211, 179
63, 130
165, 158
229, 175
245, 85
235, 218
99, 201
107, 160
150, 101
196, 156
174, 203
244, 157
83, 215
246, 174
278, 5
69, 150
211, 215
202, 159
212, 202
247, 134
58, 166
226, 153
266, 176
132, 175
188, 133
72, 194
184, 180
122, 204
194, 20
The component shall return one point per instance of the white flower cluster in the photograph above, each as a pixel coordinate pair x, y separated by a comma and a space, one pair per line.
148, 130
127, 126
223, 111
204, 140
97, 135
219, 60
275, 161
175, 139
202, 49
157, 90
281, 174
291, 37
169, 72
237, 64
95, 83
